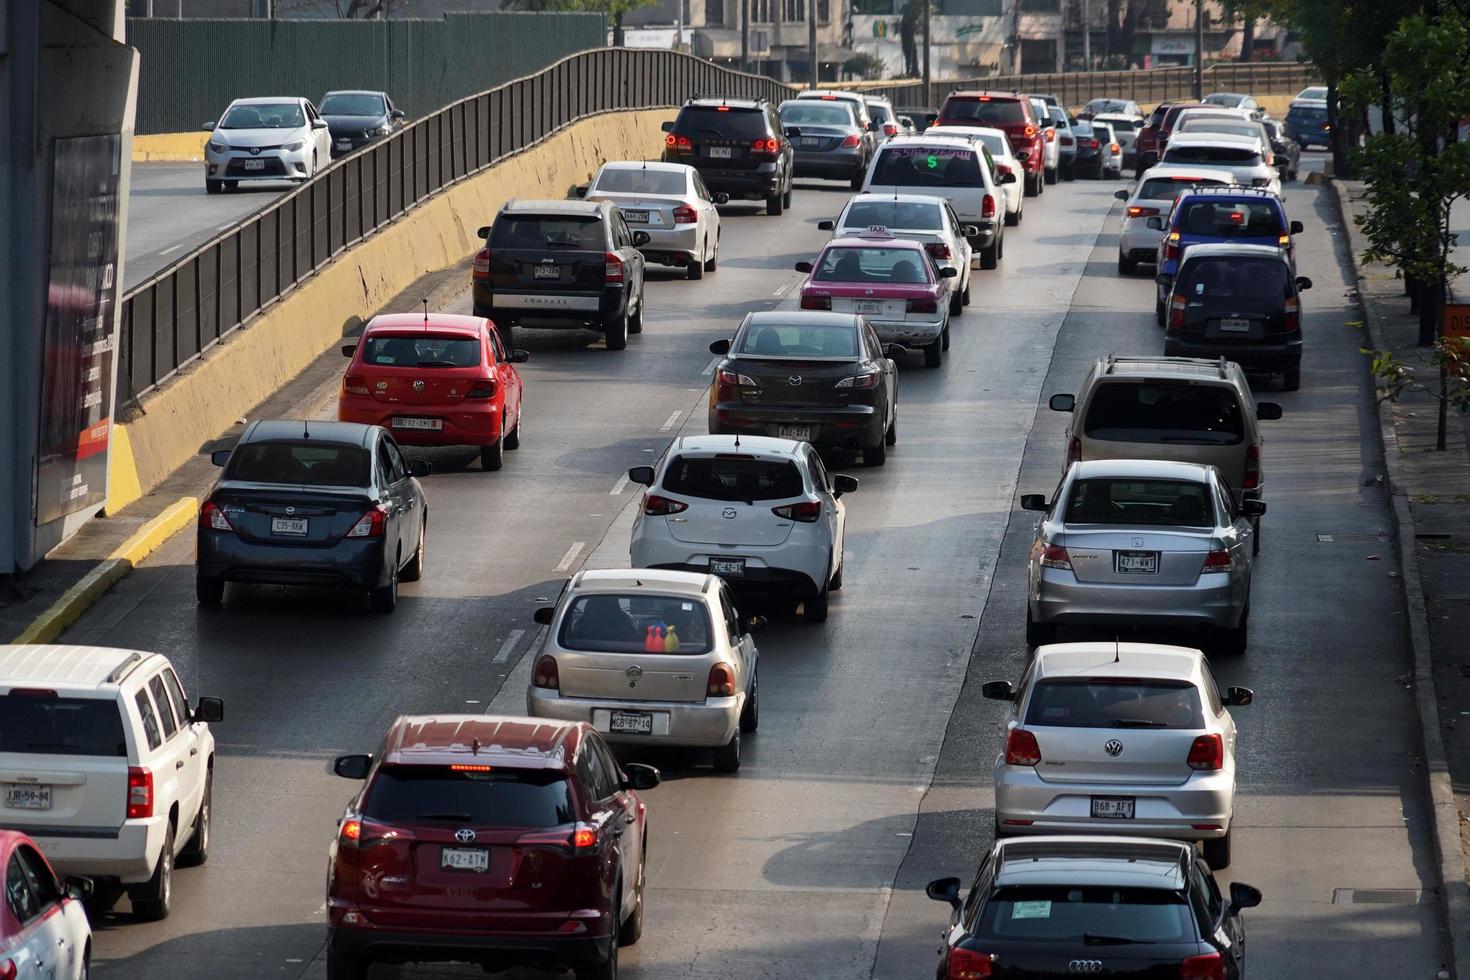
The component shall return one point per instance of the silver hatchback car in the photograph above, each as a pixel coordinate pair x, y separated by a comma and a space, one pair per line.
1118, 738
649, 656
1141, 543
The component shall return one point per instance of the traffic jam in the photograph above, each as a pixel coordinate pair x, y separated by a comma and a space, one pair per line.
524, 840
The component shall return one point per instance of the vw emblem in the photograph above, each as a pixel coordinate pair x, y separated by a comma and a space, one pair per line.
464, 836
255, 151
728, 513
290, 511
1113, 747
1138, 542
1085, 966
794, 381
418, 386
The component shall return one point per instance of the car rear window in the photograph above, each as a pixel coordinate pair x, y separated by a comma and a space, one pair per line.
549, 231
420, 351
1102, 131
721, 122
1229, 219
798, 340
1164, 413
324, 464
878, 112
1099, 106
1230, 156
907, 215
928, 166
622, 624
731, 476
1132, 502
1072, 913
1122, 125
624, 181
903, 266
984, 111
498, 798
807, 112
1108, 702
1306, 113
1236, 128
40, 724
1169, 188
1234, 277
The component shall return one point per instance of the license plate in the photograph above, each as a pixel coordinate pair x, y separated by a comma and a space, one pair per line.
1235, 326
801, 433
1136, 562
465, 859
811, 141
727, 566
288, 525
548, 272
637, 217
22, 796
1112, 807
254, 164
344, 144
434, 424
719, 152
630, 723
867, 306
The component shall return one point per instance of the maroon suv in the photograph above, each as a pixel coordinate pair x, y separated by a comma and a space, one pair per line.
1006, 111
496, 841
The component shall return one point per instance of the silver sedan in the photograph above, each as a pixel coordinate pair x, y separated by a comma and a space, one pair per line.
670, 202
1141, 543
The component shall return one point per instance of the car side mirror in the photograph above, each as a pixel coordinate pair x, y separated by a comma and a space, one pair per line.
872, 127
518, 356
420, 468
894, 351
948, 272
791, 132
397, 114
753, 624
79, 888
348, 350
1253, 508
667, 125
1155, 223
998, 691
803, 267
970, 231
1121, 195
1033, 501
1268, 411
1004, 179
721, 346
1164, 279
208, 710
1063, 403
1297, 227
483, 232
944, 890
826, 225
352, 766
842, 483
1243, 896
543, 615
641, 238
1302, 282
208, 127
318, 124
1239, 697
640, 776
581, 190
642, 475
220, 456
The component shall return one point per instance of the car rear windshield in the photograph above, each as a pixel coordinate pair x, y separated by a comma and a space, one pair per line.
1207, 279
907, 215
928, 166
531, 231
1121, 125
322, 464
1168, 188
872, 265
984, 111
1229, 127
1108, 702
420, 350
624, 181
1099, 106
732, 476
40, 724
1133, 503
498, 798
353, 105
1095, 914
879, 113
1213, 218
1102, 131
806, 112
1229, 156
1307, 113
1164, 413
798, 340
622, 624
722, 122
1228, 101
282, 115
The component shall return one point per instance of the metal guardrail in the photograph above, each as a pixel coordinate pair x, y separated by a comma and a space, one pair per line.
183, 310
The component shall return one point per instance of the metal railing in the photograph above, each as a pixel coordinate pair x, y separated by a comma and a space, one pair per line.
171, 318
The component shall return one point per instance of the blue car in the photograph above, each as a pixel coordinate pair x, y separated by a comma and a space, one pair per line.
1307, 122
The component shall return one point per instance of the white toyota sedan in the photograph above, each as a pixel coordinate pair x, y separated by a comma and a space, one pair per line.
1152, 197
265, 139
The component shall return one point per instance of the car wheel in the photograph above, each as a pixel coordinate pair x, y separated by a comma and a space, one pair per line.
85, 972
814, 609
956, 303
965, 296
344, 966
790, 189
727, 756
214, 186
1126, 266
891, 436
632, 928
836, 584
1028, 186
695, 268
513, 437
1256, 537
209, 591
1013, 219
750, 715
154, 899
875, 455
1292, 380
414, 570
1159, 311
990, 256
1038, 634
384, 598
635, 320
775, 205
492, 457
944, 336
712, 262
196, 852
1050, 176
617, 333
1217, 852
934, 353
1070, 172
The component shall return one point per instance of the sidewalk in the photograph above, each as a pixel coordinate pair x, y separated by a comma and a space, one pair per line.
1431, 493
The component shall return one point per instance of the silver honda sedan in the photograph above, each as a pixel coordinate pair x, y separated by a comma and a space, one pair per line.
1141, 543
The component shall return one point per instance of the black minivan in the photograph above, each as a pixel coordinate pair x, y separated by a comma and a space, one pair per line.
738, 146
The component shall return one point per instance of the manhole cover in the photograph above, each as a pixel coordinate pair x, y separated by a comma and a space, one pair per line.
1375, 896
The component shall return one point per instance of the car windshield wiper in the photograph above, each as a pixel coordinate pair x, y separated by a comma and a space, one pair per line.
1093, 939
443, 816
437, 364
1136, 723
1190, 440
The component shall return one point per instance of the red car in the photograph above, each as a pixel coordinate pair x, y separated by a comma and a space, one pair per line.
1005, 111
43, 930
496, 841
1148, 147
436, 379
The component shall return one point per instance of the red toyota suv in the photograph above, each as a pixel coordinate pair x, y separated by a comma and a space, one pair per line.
496, 841
1008, 111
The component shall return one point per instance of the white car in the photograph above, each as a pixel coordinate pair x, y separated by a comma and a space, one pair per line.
1004, 157
1125, 131
670, 202
1240, 155
106, 766
265, 139
1132, 739
1110, 164
650, 658
930, 220
1152, 197
44, 932
761, 513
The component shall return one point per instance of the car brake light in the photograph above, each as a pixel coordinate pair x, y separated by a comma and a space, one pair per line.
371, 524
211, 518
1074, 451
889, 129
1207, 753
765, 147
987, 206
806, 512
482, 265
938, 250
679, 144
584, 838
656, 506
1030, 131
545, 675
685, 215
1067, 141
1022, 748
354, 384
1292, 316
140, 793
1252, 468
1176, 313
1134, 211
1115, 148
467, 767
484, 388
1055, 556
1210, 966
815, 302
350, 831
968, 964
864, 381
1090, 143
851, 140
39, 693
721, 683
613, 272
922, 306
1216, 561
1171, 247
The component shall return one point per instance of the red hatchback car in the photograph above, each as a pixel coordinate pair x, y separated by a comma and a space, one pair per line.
496, 841
436, 379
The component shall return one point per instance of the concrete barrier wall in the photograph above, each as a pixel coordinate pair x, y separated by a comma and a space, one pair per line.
179, 418
169, 147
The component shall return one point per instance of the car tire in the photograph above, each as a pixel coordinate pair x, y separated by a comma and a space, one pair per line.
414, 570
513, 437
1126, 266
1028, 186
1013, 219
836, 584
1234, 642
956, 303
196, 852
214, 186
750, 715
632, 928
856, 184
934, 353
1159, 311
814, 609
345, 966
1070, 172
891, 436
492, 457
1050, 176
790, 190
695, 268
154, 899
712, 261
1038, 634
617, 333
208, 591
727, 756
635, 319
384, 598
965, 296
105, 893
1217, 852
1292, 380
990, 256
875, 455
775, 205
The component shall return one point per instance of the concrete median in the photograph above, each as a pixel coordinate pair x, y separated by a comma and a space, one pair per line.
169, 147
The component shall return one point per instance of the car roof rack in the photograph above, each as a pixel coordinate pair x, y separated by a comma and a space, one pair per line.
129, 664
1224, 368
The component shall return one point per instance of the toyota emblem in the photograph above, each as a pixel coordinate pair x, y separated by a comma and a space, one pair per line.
1113, 747
794, 381
464, 836
418, 386
1085, 966
255, 151
728, 513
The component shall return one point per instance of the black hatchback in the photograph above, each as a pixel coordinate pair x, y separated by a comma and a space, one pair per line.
738, 146
822, 378
1131, 908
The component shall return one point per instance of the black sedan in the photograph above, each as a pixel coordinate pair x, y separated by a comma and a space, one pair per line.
822, 378
831, 142
1287, 150
313, 503
357, 118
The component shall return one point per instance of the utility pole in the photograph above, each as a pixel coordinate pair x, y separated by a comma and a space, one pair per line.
1199, 50
745, 35
1086, 36
811, 43
928, 97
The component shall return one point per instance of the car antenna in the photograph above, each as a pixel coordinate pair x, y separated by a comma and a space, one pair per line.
1117, 651
305, 430
425, 301
737, 440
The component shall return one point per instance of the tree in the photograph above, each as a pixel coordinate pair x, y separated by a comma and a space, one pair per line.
908, 30
866, 66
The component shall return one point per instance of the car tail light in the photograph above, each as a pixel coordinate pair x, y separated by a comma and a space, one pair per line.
685, 215
481, 270
1171, 247
922, 306
483, 388
1293, 316
8, 970
1207, 753
613, 271
371, 524
1283, 241
861, 381
721, 683
1074, 451
968, 964
1176, 313
851, 140
889, 129
211, 518
1030, 132
1216, 561
140, 793
806, 512
1090, 143
726, 383
584, 837
1134, 211
1051, 135
39, 693
765, 147
656, 506
816, 302
1115, 148
1210, 966
1252, 468
1055, 556
987, 206
679, 144
1022, 748
545, 675
354, 384
938, 250
350, 833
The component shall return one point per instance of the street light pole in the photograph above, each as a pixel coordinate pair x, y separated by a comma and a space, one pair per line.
811, 43
1199, 51
927, 96
1086, 36
745, 35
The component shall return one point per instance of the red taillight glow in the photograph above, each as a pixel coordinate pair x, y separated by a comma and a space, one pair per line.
211, 518
1055, 556
1030, 132
1022, 748
679, 144
968, 964
938, 250
987, 206
810, 302
922, 306
545, 675
889, 129
613, 270
467, 767
1252, 478
851, 140
721, 683
584, 838
1176, 313
351, 831
806, 512
1115, 148
481, 270
656, 506
860, 381
1090, 143
1051, 135
1171, 247
765, 147
685, 215
1216, 561
354, 384
8, 970
1211, 966
1134, 211
484, 388
1074, 450
371, 524
1293, 316
1207, 753
140, 793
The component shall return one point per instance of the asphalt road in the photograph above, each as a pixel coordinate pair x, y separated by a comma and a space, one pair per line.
870, 774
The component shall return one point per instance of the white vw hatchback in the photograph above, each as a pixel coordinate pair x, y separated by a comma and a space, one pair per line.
759, 512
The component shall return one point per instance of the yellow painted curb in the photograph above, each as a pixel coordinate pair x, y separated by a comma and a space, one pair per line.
169, 147
69, 608
122, 471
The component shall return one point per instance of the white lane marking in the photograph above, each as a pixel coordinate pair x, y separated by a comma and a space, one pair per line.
619, 486
171, 248
781, 289
710, 367
570, 556
508, 647
669, 422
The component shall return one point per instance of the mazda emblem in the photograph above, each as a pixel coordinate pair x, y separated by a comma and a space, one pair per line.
728, 513
464, 836
1085, 966
290, 511
418, 386
1113, 747
794, 381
